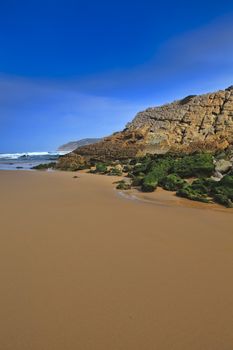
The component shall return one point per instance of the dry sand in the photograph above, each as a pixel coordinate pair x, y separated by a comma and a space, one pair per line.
83, 268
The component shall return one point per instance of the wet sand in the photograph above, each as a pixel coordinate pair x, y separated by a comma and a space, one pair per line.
83, 268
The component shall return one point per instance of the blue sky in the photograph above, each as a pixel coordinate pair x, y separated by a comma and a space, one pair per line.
74, 69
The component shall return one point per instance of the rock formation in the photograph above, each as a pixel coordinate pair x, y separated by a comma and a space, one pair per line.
203, 122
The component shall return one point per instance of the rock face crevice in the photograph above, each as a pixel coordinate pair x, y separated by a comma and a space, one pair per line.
203, 122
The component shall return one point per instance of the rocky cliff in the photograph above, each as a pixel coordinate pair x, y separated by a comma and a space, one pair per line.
203, 122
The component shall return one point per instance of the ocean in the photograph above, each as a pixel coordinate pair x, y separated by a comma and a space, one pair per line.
26, 160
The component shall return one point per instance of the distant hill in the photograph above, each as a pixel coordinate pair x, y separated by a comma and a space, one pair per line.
71, 146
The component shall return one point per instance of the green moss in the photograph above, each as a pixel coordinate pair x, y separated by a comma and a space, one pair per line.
223, 200
222, 192
137, 180
170, 171
158, 170
227, 181
203, 185
161, 168
172, 182
115, 172
142, 167
101, 168
127, 168
122, 185
196, 165
188, 192
45, 166
149, 183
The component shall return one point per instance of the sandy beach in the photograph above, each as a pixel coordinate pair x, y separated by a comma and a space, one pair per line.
85, 268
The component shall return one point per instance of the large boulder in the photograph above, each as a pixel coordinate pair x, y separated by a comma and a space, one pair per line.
223, 166
71, 162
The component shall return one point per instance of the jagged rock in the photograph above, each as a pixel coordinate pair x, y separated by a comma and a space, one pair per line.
204, 121
217, 176
222, 166
72, 162
123, 185
121, 145
195, 123
119, 167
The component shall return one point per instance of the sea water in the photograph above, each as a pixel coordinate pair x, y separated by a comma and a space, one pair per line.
27, 160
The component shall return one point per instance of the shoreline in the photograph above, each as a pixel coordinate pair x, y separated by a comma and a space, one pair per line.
158, 197
161, 197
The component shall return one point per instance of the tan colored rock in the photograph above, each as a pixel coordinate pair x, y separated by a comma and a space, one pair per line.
202, 122
71, 161
222, 166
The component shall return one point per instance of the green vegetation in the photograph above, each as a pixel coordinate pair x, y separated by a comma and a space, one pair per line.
149, 183
222, 192
172, 182
115, 171
151, 171
122, 185
100, 168
196, 165
45, 166
107, 169
189, 192
158, 170
189, 175
137, 180
170, 172
206, 189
